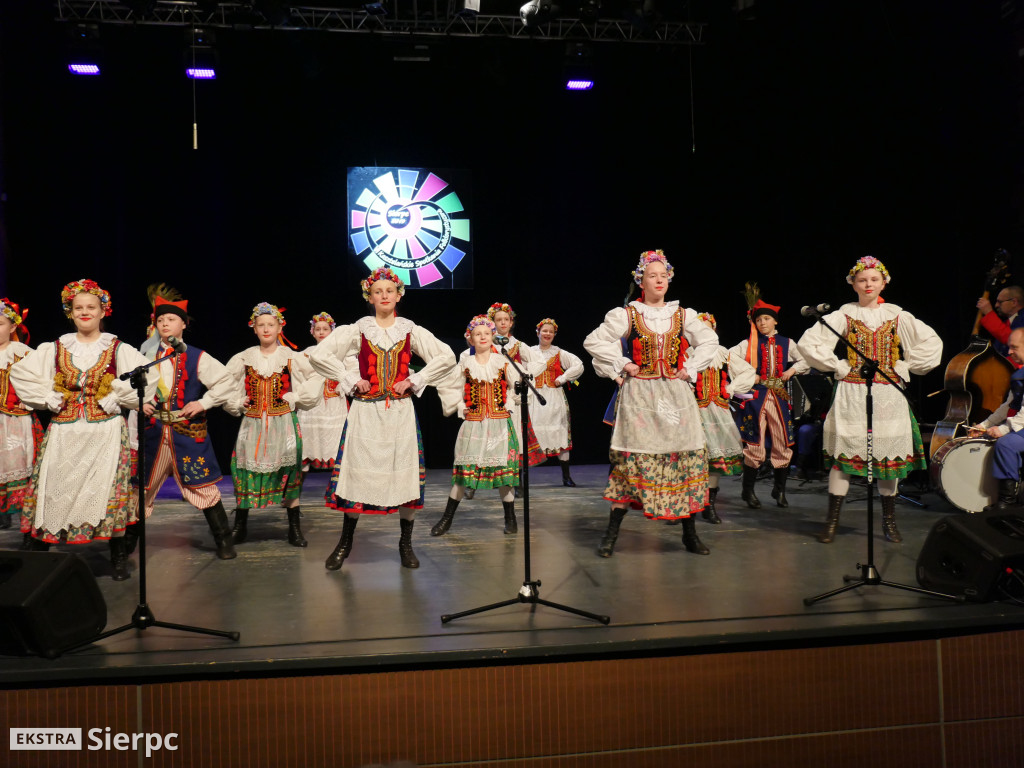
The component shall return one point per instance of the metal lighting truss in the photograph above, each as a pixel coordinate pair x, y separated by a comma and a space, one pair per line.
404, 17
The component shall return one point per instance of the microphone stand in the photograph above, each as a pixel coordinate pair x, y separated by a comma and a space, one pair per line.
530, 591
869, 575
143, 617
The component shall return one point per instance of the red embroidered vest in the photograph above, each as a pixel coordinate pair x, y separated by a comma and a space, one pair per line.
659, 355
9, 403
485, 399
710, 387
882, 344
83, 390
383, 369
551, 373
266, 392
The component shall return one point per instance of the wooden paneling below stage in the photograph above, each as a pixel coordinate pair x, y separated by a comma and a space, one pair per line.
956, 702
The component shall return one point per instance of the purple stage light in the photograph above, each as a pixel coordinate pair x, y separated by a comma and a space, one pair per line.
84, 69
579, 85
201, 73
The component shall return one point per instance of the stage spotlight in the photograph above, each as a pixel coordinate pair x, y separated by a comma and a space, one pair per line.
537, 12
84, 49
375, 9
590, 10
200, 56
579, 67
466, 8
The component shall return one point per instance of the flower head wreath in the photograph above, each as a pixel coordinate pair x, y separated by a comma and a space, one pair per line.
381, 273
547, 321
646, 258
480, 320
266, 308
499, 307
323, 317
67, 296
11, 311
868, 262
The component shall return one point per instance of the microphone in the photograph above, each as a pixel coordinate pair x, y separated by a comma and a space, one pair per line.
502, 340
175, 343
814, 311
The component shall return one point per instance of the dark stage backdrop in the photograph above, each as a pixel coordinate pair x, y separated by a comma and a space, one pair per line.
822, 132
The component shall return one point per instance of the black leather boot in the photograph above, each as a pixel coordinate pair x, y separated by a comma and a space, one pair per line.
710, 513
749, 478
36, 545
835, 505
779, 487
442, 525
5, 522
217, 519
344, 548
566, 480
892, 533
612, 534
26, 543
295, 537
409, 559
511, 525
1007, 498
240, 530
690, 539
131, 538
119, 558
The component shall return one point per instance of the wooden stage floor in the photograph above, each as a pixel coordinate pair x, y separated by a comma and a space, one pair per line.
295, 617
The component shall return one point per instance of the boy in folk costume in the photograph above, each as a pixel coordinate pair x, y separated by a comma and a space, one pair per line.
81, 488
379, 469
658, 459
177, 443
486, 451
727, 375
20, 430
271, 381
767, 417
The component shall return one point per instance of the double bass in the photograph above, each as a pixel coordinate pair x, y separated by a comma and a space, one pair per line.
978, 378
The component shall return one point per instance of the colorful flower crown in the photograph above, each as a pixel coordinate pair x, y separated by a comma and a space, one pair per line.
646, 258
477, 321
381, 273
323, 317
707, 317
11, 311
868, 262
266, 308
67, 296
499, 307
546, 321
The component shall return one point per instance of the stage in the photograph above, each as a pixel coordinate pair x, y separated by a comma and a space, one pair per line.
374, 620
292, 613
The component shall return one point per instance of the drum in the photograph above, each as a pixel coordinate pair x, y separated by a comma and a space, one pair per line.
962, 471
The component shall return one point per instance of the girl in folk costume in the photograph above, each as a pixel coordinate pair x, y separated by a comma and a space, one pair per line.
81, 485
727, 375
551, 421
767, 416
322, 424
504, 319
177, 444
902, 345
486, 450
20, 430
653, 348
379, 469
271, 381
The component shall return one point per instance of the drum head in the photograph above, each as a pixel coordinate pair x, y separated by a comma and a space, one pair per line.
964, 473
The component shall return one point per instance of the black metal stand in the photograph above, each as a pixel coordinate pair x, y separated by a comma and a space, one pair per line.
143, 617
869, 575
530, 591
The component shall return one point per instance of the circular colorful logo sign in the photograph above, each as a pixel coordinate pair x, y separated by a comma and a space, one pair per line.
410, 220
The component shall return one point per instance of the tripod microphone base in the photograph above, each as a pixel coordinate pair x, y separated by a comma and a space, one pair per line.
870, 577
528, 593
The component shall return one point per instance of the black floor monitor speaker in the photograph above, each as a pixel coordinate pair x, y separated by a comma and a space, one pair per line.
980, 557
49, 602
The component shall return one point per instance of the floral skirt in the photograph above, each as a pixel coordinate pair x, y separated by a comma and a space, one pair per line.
666, 486
255, 490
12, 493
884, 468
473, 476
